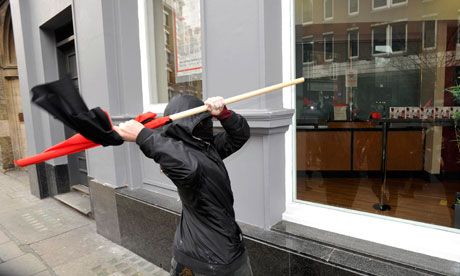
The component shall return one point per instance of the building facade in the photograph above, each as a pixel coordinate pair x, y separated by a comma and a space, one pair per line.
316, 165
12, 135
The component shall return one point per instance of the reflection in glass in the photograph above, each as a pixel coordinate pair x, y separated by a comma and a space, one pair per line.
175, 48
387, 67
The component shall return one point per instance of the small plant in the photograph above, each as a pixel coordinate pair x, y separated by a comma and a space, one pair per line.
455, 91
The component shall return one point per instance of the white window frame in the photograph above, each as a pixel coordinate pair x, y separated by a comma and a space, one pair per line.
404, 234
349, 7
349, 43
303, 20
425, 19
391, 36
387, 35
324, 46
147, 59
324, 10
313, 49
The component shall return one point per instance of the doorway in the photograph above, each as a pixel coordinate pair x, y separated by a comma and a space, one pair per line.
67, 63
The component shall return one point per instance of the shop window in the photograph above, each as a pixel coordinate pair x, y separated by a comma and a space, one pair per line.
307, 11
328, 9
429, 34
353, 43
307, 49
374, 73
353, 7
171, 50
328, 47
398, 37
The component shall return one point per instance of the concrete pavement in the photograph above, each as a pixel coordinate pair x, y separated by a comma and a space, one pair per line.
44, 237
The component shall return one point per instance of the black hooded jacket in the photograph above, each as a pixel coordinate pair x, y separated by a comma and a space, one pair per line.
207, 238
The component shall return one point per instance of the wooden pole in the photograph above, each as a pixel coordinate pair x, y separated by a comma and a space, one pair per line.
237, 98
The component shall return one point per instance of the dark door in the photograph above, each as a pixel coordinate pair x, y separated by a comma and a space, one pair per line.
68, 67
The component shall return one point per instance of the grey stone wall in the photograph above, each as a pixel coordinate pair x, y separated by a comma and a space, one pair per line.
247, 57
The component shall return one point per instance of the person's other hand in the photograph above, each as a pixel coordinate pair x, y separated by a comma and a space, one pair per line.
129, 130
215, 105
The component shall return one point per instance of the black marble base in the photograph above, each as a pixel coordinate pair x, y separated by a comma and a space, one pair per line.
148, 220
104, 210
37, 179
146, 229
57, 179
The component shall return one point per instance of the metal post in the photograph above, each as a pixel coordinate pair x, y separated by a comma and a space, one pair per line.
381, 205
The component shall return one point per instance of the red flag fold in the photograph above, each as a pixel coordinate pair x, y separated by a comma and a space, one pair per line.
79, 143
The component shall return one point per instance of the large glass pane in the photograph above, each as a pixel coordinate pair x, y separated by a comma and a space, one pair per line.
175, 48
377, 133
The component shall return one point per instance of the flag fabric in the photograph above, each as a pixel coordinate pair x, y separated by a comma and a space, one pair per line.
62, 100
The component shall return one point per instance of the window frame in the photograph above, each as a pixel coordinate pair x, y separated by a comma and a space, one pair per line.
349, 7
324, 46
400, 233
425, 19
148, 58
324, 10
349, 31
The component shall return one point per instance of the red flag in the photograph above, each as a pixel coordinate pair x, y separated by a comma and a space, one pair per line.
79, 143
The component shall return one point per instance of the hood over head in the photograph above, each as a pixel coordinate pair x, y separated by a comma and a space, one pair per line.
196, 125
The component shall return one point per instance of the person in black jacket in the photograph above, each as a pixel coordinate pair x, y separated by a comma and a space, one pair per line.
208, 241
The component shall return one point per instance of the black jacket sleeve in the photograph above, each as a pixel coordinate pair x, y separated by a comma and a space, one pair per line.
175, 161
236, 134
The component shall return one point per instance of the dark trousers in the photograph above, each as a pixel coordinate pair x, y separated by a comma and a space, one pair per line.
181, 270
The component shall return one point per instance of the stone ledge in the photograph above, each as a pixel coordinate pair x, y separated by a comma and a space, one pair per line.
385, 256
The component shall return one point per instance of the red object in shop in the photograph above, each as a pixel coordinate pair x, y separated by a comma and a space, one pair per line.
376, 115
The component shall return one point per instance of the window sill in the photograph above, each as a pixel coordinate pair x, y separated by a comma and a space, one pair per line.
392, 232
383, 258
